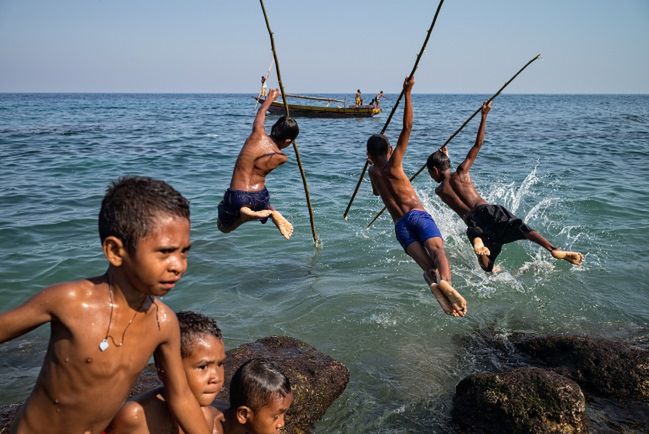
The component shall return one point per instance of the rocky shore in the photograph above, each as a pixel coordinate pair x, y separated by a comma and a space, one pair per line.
547, 383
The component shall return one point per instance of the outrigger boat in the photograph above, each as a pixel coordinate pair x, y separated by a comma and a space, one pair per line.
341, 110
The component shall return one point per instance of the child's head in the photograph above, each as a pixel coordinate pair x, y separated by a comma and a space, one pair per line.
284, 131
131, 206
203, 355
260, 395
437, 163
378, 146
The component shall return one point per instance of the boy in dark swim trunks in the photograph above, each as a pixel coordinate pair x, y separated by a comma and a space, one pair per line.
247, 198
415, 228
488, 226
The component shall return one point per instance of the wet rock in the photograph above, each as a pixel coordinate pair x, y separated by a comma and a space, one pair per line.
601, 366
523, 400
7, 416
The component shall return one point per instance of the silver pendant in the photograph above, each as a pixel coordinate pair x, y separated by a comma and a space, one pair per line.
103, 345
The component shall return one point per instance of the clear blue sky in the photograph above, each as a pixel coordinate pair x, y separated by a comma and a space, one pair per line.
588, 46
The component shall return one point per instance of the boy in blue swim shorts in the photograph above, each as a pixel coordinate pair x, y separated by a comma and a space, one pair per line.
247, 198
415, 228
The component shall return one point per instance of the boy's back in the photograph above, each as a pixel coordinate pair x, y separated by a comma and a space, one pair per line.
258, 157
389, 180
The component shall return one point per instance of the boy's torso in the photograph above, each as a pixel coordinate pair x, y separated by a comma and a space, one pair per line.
80, 387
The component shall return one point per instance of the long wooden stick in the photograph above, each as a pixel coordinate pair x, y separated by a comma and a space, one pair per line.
394, 108
297, 152
421, 169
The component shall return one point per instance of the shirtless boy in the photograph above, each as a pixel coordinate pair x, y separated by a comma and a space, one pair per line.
260, 396
488, 226
203, 354
104, 329
415, 228
247, 198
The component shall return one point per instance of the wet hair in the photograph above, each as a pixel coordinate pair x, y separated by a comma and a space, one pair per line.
256, 382
377, 145
439, 160
131, 205
192, 325
284, 129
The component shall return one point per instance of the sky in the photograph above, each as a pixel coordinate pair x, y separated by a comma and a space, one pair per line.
333, 46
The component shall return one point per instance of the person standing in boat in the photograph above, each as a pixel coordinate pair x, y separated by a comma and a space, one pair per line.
247, 198
376, 101
264, 87
358, 98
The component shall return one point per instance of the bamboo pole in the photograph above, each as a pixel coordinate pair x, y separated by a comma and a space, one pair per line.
316, 240
421, 169
394, 108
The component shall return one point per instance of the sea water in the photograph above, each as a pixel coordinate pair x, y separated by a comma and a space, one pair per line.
575, 167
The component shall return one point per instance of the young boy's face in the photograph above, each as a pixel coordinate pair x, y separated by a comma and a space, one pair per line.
160, 258
269, 419
204, 368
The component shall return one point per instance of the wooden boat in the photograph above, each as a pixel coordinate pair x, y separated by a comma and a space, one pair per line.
340, 110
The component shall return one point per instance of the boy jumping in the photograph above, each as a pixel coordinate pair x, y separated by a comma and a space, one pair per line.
415, 228
488, 226
104, 329
247, 198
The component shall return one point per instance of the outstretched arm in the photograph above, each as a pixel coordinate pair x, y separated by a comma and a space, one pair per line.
473, 152
258, 125
181, 400
34, 312
402, 144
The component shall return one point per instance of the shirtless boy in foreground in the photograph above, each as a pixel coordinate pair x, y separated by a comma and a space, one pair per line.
203, 354
104, 329
488, 226
247, 198
415, 228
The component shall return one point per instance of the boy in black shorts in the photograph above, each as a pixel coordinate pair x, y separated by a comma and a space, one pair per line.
488, 226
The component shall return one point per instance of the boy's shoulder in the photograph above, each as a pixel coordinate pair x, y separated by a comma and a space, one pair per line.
72, 292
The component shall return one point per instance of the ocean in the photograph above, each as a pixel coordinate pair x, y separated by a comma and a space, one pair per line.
575, 167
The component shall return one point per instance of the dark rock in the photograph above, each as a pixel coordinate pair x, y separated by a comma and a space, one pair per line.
523, 400
600, 366
7, 416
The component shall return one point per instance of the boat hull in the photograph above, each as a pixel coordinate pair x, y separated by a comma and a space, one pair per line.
303, 110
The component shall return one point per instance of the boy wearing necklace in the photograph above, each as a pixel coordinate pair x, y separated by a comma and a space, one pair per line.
104, 329
203, 355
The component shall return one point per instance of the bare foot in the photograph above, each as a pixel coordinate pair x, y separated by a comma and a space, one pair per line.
496, 269
446, 307
284, 226
451, 301
457, 301
574, 258
479, 247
